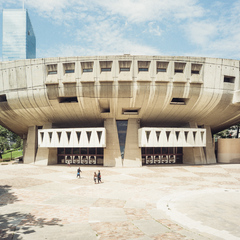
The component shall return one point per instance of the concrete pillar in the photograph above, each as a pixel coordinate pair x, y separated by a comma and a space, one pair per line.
31, 145
132, 154
209, 150
45, 156
193, 155
112, 154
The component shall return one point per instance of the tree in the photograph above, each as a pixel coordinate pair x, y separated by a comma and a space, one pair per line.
231, 132
6, 137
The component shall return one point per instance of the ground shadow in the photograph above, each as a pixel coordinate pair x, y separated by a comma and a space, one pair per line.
14, 225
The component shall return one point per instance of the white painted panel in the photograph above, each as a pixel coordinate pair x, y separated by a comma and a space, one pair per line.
72, 141
168, 137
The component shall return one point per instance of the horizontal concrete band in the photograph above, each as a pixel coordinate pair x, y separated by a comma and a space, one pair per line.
172, 137
148, 137
72, 137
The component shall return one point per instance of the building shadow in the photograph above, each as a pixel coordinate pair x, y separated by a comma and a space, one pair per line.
15, 225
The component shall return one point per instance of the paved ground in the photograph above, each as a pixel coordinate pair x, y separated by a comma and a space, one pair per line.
165, 202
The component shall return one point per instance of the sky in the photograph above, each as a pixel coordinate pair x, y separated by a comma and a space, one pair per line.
64, 28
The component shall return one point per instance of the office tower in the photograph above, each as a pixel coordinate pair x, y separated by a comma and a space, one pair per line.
19, 41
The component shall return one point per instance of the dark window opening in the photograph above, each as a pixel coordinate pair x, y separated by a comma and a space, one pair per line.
52, 72
229, 79
130, 111
3, 98
161, 70
87, 70
178, 70
122, 132
67, 99
105, 69
143, 69
195, 72
124, 69
105, 110
69, 71
179, 101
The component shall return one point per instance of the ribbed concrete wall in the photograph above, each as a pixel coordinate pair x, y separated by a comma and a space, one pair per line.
160, 91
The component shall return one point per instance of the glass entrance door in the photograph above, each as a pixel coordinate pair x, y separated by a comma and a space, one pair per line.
163, 155
80, 156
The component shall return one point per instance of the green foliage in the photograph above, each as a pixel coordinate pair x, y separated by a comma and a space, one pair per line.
6, 137
231, 132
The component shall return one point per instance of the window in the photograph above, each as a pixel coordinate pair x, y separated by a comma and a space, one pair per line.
69, 71
105, 69
130, 111
87, 70
178, 70
52, 72
3, 98
124, 69
179, 67
67, 99
196, 68
143, 69
179, 101
228, 79
161, 70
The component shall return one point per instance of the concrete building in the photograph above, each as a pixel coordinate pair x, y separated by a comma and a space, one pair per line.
119, 110
18, 41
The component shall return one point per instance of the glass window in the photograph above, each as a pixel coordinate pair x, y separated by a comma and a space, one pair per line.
124, 69
143, 151
105, 69
157, 150
164, 150
149, 150
76, 151
68, 150
83, 150
122, 132
92, 150
69, 71
179, 150
161, 70
100, 151
87, 70
143, 69
60, 150
52, 72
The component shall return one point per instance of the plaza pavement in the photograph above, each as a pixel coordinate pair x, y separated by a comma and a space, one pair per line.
163, 202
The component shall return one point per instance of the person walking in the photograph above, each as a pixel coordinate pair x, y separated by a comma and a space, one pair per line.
95, 177
99, 177
78, 172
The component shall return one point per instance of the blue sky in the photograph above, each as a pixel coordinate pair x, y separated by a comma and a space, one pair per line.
207, 28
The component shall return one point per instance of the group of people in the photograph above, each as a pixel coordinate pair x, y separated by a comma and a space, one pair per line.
96, 176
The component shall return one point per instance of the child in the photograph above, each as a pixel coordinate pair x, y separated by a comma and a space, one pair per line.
95, 177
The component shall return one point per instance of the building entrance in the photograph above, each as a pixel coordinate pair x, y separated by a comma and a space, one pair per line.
162, 155
81, 156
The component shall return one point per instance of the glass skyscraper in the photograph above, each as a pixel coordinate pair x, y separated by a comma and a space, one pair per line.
19, 40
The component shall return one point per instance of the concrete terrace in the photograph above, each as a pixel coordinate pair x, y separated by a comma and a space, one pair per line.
148, 203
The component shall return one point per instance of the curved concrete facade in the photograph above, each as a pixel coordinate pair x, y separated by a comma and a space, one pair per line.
148, 91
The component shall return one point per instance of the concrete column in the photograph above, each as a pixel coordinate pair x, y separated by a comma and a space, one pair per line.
193, 155
112, 154
31, 145
132, 154
45, 156
209, 150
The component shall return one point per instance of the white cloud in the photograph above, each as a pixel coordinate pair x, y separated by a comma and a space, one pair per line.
201, 32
